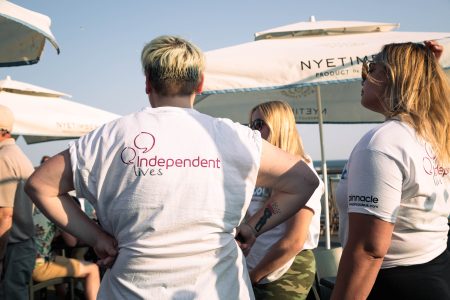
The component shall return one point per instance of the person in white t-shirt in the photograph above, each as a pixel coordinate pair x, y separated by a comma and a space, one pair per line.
169, 186
281, 263
394, 195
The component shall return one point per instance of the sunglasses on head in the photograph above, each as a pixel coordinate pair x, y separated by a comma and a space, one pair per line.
257, 124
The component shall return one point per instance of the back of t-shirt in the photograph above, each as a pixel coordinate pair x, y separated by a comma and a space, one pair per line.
171, 185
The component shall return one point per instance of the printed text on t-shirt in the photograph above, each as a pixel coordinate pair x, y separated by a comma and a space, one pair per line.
432, 167
145, 163
361, 200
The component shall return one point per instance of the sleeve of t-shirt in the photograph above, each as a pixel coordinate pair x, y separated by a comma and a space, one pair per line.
374, 185
247, 140
253, 137
82, 157
8, 183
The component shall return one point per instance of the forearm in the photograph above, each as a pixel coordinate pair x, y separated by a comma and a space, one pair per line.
287, 247
48, 187
279, 208
59, 208
368, 243
356, 275
278, 255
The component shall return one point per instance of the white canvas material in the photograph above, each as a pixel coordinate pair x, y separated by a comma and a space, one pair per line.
23, 33
42, 115
292, 61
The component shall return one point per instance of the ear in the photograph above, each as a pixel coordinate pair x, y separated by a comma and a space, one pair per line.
148, 86
200, 85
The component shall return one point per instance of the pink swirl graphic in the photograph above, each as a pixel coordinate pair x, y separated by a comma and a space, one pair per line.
144, 141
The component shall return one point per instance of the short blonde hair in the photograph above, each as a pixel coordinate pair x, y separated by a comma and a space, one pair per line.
417, 91
173, 65
280, 120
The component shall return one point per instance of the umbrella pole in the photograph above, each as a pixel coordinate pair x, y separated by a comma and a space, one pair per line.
324, 170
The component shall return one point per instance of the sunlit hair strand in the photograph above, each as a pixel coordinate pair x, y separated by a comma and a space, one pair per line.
280, 119
173, 65
418, 93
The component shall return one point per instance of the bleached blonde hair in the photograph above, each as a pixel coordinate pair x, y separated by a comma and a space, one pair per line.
173, 65
417, 92
279, 118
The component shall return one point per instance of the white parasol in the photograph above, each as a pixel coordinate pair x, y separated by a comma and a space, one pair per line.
22, 34
43, 115
315, 66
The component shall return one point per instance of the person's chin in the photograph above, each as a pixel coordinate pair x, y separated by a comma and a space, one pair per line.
367, 105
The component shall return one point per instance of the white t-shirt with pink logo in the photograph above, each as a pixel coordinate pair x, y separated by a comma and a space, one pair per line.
393, 175
171, 185
269, 238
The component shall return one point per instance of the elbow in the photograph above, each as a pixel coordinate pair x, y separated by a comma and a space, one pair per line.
292, 246
313, 179
298, 246
374, 252
71, 242
31, 187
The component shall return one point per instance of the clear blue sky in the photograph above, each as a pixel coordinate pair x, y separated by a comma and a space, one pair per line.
101, 41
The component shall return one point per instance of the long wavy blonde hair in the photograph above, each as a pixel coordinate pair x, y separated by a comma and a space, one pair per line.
417, 92
280, 120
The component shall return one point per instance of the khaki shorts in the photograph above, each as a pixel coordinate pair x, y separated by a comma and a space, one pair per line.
59, 266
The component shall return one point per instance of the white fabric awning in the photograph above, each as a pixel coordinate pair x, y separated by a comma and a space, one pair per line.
40, 116
22, 34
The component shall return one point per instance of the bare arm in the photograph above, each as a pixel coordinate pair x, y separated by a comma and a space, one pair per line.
69, 239
294, 182
6, 214
368, 242
48, 187
287, 247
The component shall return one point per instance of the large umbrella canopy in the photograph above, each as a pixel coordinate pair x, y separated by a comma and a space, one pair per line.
314, 66
43, 115
22, 34
289, 62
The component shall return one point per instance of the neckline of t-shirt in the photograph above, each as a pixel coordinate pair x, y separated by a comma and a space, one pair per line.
163, 109
8, 141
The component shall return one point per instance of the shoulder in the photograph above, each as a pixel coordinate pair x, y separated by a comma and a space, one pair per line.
391, 138
12, 158
236, 131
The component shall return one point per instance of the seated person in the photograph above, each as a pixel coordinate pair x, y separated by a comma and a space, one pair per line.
49, 266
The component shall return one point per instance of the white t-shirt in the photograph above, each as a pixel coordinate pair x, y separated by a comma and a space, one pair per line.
266, 240
393, 175
171, 185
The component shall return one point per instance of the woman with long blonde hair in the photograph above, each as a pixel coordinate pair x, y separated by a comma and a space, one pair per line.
394, 194
281, 263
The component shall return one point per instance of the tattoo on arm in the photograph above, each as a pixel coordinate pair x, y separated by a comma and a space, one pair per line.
271, 209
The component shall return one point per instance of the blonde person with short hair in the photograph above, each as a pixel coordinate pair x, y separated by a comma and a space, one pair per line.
393, 197
281, 262
170, 186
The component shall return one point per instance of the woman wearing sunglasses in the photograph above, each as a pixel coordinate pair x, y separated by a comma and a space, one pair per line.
394, 194
281, 263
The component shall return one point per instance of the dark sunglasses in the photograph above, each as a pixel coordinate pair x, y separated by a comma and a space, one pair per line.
257, 124
367, 66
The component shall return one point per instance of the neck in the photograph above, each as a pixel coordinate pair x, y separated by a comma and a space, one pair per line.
176, 101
